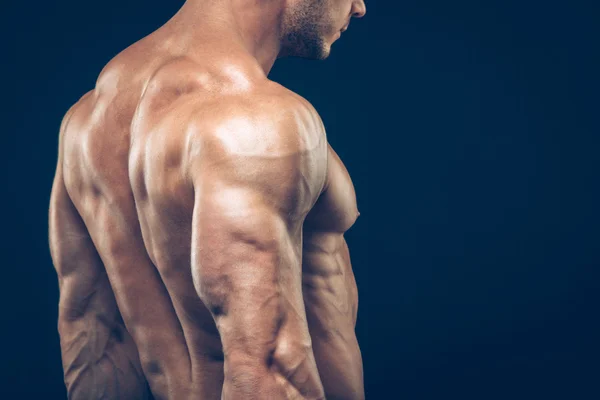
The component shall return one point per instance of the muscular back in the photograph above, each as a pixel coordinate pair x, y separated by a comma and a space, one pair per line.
196, 226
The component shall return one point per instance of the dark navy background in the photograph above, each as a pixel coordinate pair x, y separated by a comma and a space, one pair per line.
471, 131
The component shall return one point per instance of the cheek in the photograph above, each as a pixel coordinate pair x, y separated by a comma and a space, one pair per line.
336, 12
340, 11
342, 8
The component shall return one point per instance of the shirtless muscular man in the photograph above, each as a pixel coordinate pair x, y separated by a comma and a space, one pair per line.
198, 213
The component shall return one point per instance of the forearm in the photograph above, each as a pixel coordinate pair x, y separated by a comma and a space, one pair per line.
264, 383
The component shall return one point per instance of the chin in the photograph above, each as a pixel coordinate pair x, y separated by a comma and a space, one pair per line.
311, 47
320, 52
326, 52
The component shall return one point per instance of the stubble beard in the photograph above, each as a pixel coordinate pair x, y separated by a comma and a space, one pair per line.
304, 28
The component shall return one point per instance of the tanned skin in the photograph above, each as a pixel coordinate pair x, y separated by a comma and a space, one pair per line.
198, 213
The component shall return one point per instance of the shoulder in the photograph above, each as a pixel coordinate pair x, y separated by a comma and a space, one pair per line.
68, 116
269, 121
269, 140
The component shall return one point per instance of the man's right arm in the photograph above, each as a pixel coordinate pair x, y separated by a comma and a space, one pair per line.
254, 181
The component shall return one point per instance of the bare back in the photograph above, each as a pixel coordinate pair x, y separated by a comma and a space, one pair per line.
122, 231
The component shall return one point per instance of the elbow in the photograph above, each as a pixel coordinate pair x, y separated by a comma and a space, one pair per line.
287, 371
291, 355
294, 361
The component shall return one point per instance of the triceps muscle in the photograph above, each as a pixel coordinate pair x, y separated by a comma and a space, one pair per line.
247, 271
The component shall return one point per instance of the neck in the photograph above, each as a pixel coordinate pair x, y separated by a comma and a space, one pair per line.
242, 27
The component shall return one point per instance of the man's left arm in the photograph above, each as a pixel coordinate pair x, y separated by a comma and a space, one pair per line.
100, 360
